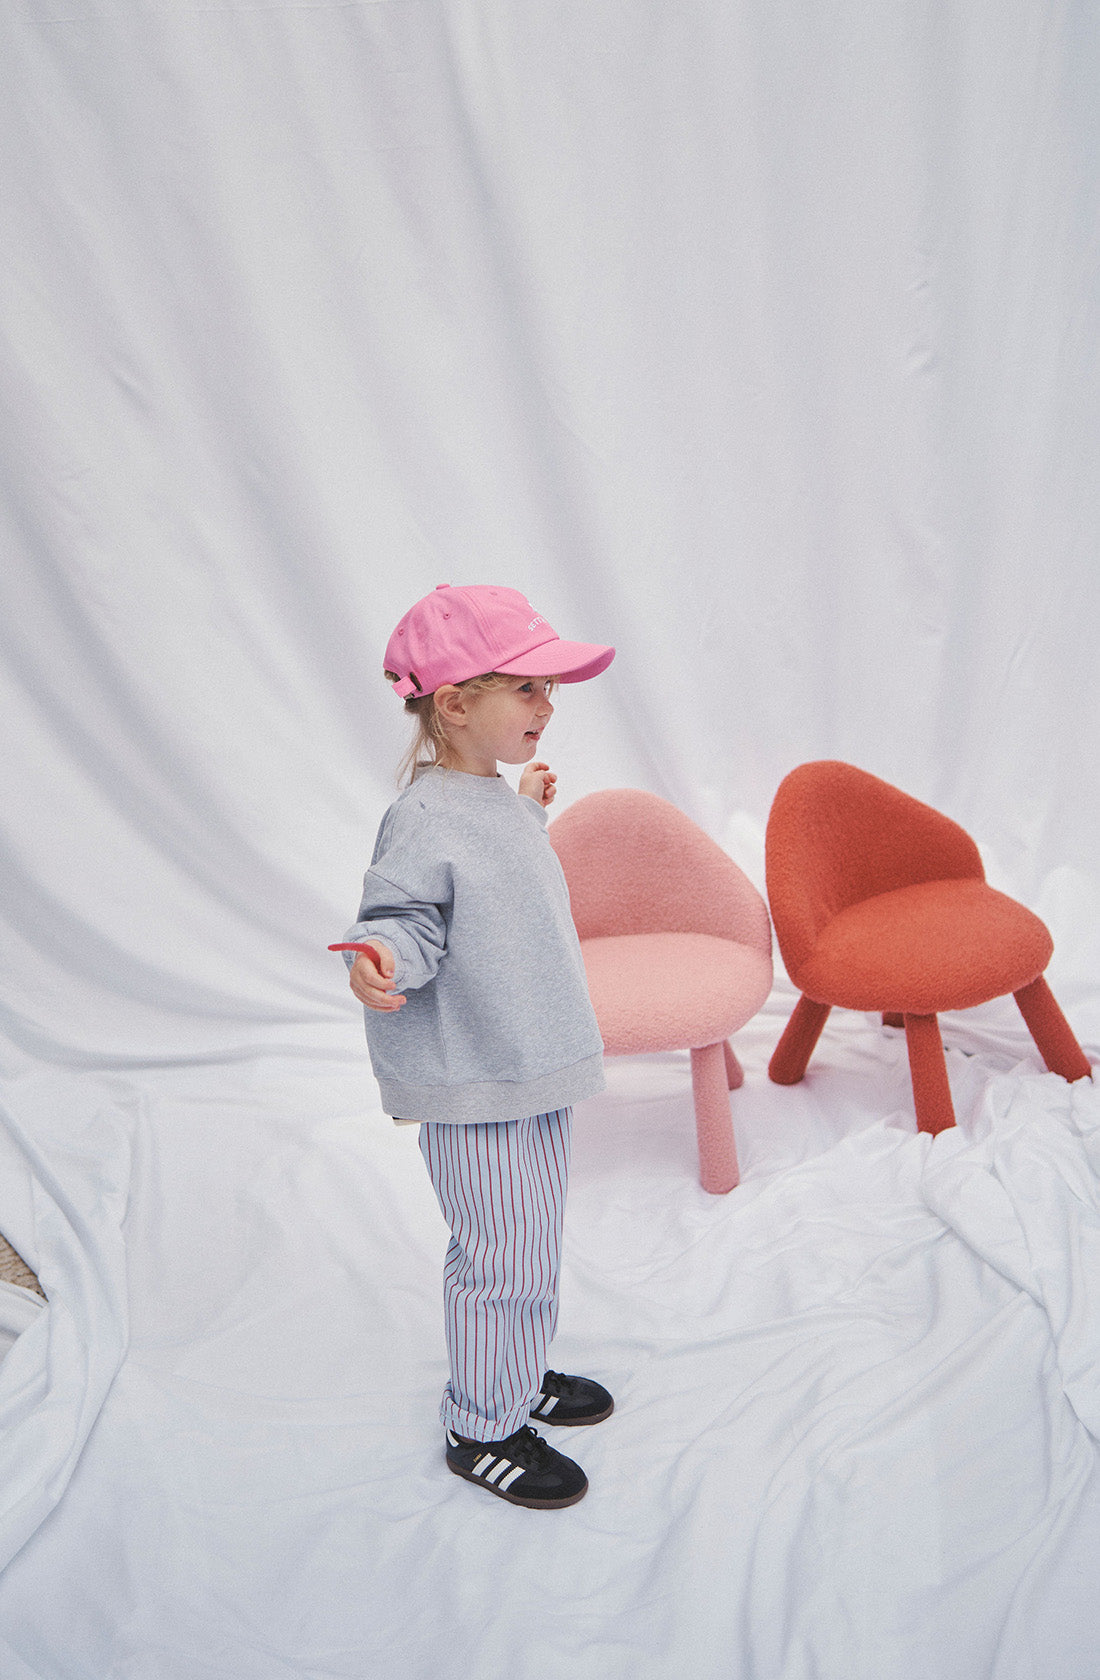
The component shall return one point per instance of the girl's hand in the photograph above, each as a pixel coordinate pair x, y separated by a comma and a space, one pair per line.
537, 782
372, 982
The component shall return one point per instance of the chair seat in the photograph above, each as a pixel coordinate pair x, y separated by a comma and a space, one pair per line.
925, 948
671, 991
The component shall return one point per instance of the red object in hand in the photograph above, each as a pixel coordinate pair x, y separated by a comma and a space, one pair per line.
367, 950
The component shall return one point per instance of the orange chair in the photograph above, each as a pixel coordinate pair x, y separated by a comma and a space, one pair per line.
676, 944
880, 903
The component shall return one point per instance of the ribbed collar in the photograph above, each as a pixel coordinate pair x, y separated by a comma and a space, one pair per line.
466, 786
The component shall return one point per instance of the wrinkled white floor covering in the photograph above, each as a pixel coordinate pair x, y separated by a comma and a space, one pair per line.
857, 1398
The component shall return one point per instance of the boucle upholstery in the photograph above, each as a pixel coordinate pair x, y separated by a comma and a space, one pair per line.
676, 944
938, 945
880, 903
704, 988
838, 836
636, 864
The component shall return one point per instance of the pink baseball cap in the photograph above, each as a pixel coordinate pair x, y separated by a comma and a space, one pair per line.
457, 633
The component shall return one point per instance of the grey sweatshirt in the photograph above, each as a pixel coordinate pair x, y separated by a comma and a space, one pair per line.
465, 889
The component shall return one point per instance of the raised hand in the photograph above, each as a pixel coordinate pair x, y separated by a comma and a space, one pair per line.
537, 782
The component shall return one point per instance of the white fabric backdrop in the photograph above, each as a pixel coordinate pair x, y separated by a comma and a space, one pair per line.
760, 340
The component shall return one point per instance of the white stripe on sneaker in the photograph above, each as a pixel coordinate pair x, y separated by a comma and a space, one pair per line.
545, 1405
495, 1475
506, 1481
485, 1463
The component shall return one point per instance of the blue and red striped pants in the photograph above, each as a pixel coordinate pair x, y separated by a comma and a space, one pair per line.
502, 1191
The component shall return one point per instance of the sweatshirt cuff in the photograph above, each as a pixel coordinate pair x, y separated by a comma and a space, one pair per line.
363, 936
540, 810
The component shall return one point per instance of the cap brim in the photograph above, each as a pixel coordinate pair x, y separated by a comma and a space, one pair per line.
568, 661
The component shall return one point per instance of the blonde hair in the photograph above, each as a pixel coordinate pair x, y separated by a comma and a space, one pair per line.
430, 745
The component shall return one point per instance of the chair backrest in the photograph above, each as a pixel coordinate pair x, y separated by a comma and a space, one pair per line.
837, 835
636, 864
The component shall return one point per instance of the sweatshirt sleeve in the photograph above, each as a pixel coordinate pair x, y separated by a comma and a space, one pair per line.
407, 896
414, 929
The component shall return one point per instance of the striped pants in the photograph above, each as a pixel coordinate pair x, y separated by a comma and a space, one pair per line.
502, 1191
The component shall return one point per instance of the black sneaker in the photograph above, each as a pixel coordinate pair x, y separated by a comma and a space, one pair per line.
571, 1400
523, 1469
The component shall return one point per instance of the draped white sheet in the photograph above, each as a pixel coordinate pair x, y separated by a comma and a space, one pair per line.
762, 341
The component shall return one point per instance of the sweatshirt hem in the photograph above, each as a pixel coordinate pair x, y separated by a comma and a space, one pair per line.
492, 1100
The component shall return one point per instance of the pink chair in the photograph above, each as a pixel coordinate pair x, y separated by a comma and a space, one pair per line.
676, 944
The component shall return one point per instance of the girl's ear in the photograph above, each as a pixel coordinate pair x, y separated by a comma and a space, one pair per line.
450, 703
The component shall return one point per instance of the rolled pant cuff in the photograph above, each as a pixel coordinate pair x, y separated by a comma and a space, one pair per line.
474, 1428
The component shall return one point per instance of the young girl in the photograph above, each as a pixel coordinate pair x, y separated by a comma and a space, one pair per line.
478, 1018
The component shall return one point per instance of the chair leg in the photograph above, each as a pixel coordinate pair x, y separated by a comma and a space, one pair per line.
928, 1070
735, 1073
793, 1052
1051, 1031
713, 1125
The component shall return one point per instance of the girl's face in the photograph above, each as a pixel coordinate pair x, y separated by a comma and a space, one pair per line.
500, 726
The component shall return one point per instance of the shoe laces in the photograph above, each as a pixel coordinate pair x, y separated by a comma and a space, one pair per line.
528, 1448
556, 1382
